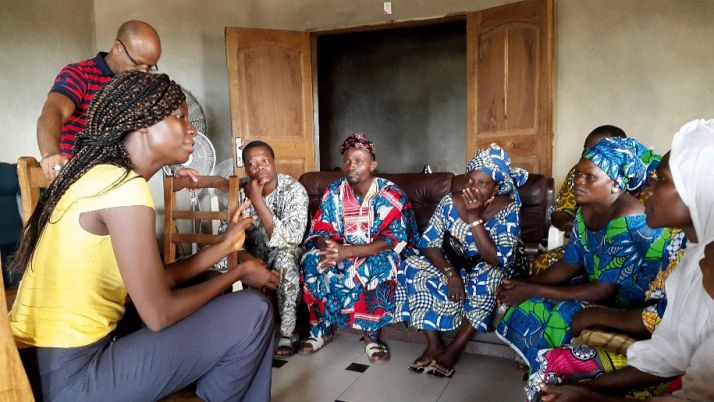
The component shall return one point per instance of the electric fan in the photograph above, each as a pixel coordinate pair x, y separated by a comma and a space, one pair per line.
224, 169
203, 158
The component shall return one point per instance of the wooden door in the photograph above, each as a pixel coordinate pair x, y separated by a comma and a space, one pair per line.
510, 76
270, 89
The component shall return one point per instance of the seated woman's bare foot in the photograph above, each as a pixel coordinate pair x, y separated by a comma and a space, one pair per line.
448, 358
429, 354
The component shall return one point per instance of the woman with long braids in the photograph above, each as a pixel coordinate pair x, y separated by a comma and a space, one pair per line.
91, 242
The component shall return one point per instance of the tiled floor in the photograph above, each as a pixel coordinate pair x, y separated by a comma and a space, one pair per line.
324, 377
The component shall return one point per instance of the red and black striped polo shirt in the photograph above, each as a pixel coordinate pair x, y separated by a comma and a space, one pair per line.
79, 82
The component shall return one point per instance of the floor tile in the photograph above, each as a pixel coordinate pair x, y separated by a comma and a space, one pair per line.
484, 387
339, 353
357, 367
393, 384
277, 363
324, 377
313, 384
402, 353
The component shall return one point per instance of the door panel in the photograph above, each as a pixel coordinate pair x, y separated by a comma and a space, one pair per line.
270, 78
510, 74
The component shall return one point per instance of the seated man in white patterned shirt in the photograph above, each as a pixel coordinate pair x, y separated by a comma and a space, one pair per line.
280, 205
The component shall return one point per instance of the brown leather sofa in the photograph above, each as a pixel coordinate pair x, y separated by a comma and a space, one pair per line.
425, 191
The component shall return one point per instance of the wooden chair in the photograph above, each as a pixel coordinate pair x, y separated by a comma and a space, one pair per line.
14, 385
31, 180
172, 215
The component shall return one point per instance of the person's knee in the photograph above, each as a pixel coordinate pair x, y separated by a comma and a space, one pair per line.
255, 305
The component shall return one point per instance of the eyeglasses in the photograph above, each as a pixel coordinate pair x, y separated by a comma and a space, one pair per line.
153, 67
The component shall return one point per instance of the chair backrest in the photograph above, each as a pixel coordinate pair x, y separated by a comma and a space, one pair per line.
14, 385
29, 173
171, 215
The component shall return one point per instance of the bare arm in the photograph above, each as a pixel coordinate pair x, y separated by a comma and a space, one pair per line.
559, 272
55, 112
615, 383
485, 245
627, 321
623, 380
562, 220
150, 286
515, 292
593, 292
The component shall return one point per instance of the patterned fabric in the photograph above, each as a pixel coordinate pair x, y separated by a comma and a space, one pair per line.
564, 365
565, 202
357, 140
546, 259
626, 253
577, 363
652, 314
281, 251
625, 160
497, 163
357, 292
422, 295
80, 82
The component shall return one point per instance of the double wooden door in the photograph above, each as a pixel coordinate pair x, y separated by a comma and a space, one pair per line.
509, 95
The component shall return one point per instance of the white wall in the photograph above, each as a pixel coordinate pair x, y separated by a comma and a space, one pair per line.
642, 65
37, 39
638, 64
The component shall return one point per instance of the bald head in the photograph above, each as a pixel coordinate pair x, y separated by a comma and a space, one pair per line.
137, 47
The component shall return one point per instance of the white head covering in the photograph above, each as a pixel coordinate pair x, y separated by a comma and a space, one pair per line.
688, 320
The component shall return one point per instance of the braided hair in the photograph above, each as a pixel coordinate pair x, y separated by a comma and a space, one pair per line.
129, 102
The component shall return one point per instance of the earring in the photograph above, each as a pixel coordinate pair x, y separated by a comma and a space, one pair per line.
614, 190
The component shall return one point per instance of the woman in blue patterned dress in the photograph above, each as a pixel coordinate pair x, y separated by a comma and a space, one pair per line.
610, 244
467, 249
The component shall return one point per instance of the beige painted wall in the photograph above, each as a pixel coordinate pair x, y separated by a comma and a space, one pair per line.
638, 64
37, 39
641, 65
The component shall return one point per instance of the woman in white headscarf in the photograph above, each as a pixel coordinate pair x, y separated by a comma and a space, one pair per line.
683, 342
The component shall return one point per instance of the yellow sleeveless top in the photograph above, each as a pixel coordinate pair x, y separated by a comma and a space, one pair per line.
72, 293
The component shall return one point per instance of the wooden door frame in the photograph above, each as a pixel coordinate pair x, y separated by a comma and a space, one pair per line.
421, 22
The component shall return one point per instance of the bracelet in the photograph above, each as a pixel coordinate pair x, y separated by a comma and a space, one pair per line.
476, 223
449, 271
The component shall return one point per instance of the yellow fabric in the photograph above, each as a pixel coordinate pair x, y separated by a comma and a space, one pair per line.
72, 293
566, 196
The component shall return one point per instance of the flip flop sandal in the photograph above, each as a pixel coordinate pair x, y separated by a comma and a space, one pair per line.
314, 343
286, 346
436, 370
374, 348
418, 368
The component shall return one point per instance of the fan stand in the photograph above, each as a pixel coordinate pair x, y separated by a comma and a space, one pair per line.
193, 196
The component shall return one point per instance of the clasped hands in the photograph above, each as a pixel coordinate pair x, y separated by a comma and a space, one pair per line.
255, 272
331, 252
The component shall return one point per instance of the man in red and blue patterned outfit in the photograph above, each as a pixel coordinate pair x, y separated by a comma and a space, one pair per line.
137, 48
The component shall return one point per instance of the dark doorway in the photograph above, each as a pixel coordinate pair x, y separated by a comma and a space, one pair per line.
404, 87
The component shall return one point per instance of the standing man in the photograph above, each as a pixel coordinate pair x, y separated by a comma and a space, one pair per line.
280, 205
137, 48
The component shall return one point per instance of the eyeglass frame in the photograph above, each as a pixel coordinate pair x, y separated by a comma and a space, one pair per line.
153, 67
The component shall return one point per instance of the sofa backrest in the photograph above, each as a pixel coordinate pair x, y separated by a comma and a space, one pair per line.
426, 190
